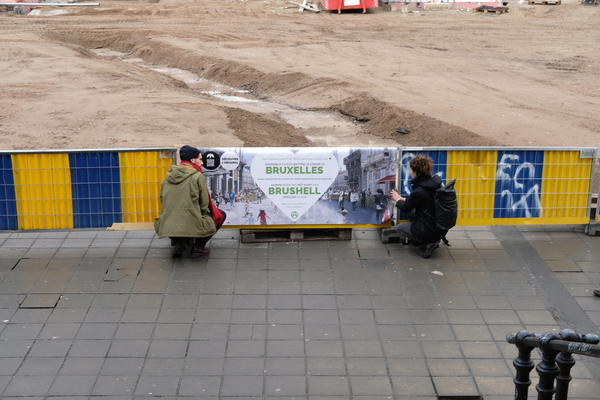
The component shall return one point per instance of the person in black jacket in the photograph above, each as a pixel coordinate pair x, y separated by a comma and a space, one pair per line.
420, 206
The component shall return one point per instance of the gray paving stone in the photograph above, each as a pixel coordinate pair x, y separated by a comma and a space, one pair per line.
15, 348
493, 386
283, 301
167, 348
371, 385
320, 316
203, 366
284, 317
285, 366
172, 331
72, 385
412, 386
59, 331
28, 386
325, 385
9, 365
245, 348
163, 366
180, 301
448, 367
285, 385
407, 367
363, 348
122, 366
40, 366
366, 367
141, 315
402, 349
244, 366
207, 349
104, 315
134, 331
30, 316
115, 385
200, 386
210, 331
89, 348
324, 348
242, 386
50, 348
285, 348
157, 386
326, 366
128, 348
487, 367
82, 366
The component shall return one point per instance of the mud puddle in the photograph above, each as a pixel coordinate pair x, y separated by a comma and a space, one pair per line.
321, 128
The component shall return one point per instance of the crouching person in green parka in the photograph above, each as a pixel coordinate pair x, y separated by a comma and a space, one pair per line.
184, 215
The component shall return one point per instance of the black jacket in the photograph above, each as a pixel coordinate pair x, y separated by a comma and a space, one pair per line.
421, 202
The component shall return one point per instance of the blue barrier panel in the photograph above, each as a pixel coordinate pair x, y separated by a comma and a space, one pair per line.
518, 184
96, 186
8, 203
439, 167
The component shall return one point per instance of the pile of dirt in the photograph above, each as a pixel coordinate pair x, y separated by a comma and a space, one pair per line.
257, 130
382, 119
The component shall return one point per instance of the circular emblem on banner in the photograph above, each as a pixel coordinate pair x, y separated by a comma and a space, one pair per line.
230, 160
211, 160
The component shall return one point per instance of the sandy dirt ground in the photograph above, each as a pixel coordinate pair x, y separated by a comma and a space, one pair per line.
229, 73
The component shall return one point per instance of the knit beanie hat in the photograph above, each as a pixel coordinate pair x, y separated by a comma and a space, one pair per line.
186, 153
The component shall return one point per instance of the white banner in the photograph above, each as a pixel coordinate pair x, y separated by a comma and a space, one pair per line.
301, 186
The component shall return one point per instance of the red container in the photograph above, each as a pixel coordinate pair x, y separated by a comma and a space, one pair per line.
340, 5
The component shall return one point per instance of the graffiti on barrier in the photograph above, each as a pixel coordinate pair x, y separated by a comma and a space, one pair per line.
518, 184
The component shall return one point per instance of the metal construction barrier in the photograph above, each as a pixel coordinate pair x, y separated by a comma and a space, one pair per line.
294, 187
513, 186
557, 361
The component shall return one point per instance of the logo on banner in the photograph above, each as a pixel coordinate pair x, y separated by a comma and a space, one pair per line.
211, 160
230, 160
294, 180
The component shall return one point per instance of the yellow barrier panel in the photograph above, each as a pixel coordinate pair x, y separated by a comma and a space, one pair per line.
475, 174
141, 175
565, 188
43, 191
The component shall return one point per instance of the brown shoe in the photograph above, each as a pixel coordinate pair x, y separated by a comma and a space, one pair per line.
597, 292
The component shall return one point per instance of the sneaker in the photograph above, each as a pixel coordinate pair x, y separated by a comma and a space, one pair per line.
597, 292
429, 249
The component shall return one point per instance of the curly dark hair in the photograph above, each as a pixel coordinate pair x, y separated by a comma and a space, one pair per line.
421, 165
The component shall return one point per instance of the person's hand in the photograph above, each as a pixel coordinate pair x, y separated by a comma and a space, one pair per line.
396, 196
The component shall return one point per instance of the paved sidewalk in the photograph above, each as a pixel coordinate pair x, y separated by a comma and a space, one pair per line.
109, 315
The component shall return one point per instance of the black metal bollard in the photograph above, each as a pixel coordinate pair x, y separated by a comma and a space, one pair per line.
523, 365
555, 350
547, 369
565, 361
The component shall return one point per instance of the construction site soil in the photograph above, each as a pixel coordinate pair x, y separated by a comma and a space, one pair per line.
258, 73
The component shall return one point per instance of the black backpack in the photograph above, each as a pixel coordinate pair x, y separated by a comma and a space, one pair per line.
446, 209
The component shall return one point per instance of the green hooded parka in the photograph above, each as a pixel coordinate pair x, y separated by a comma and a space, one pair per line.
184, 199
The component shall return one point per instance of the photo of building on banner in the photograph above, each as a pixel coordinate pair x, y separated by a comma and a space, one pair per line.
301, 186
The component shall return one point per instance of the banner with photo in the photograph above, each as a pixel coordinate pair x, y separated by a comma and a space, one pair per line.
302, 186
